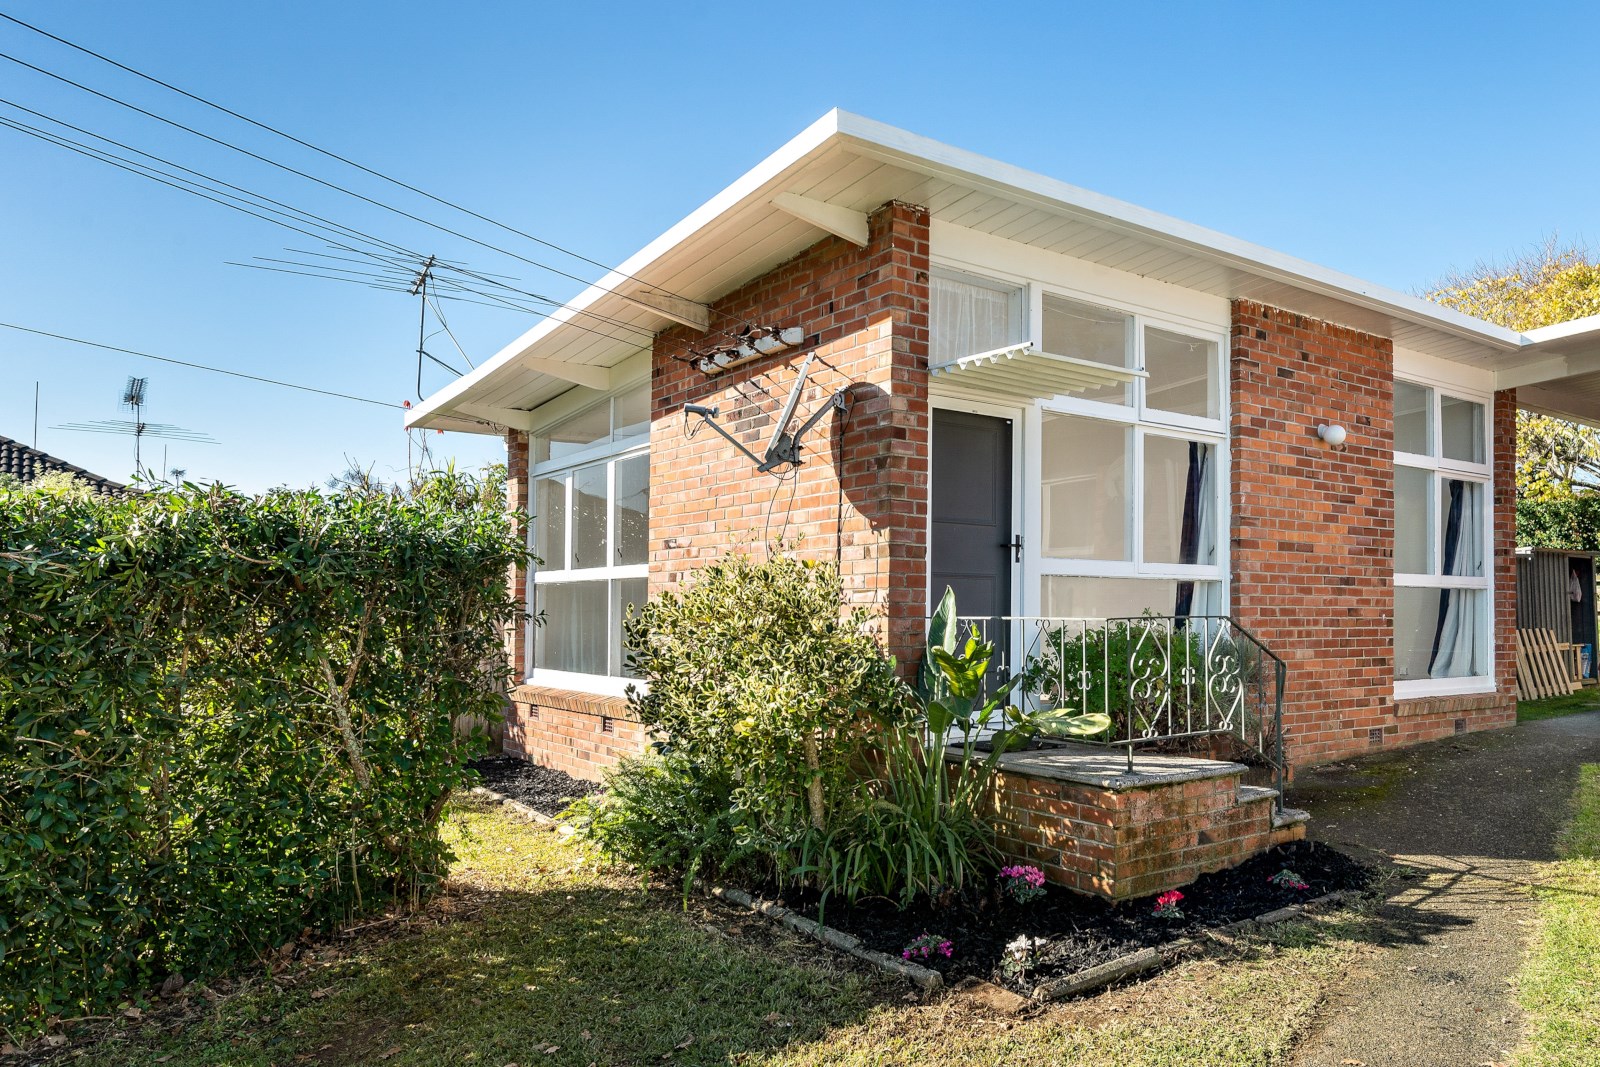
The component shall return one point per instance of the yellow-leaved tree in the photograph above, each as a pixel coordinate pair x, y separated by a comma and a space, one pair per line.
1556, 459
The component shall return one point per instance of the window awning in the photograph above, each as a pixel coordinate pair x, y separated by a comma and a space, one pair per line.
1022, 372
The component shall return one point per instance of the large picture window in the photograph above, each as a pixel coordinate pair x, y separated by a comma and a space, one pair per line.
1132, 487
1442, 554
589, 529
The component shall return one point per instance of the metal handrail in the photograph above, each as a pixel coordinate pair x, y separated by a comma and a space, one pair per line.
1161, 678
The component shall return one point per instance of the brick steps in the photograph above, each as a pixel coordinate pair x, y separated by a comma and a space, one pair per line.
1092, 825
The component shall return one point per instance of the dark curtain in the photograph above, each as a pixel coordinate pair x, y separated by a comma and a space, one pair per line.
1189, 534
1452, 544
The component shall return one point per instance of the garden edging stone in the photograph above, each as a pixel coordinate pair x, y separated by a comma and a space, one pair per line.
515, 805
924, 978
1103, 974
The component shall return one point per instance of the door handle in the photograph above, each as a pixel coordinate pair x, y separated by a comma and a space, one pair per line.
1016, 548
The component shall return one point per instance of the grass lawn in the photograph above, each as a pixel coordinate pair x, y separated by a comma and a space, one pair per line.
1560, 983
1552, 707
537, 954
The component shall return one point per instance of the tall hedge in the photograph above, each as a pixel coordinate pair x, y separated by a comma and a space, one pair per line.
227, 718
1573, 523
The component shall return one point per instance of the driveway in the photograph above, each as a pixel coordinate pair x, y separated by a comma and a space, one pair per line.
1472, 815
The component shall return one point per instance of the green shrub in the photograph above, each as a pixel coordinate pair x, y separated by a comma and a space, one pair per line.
226, 719
755, 670
664, 812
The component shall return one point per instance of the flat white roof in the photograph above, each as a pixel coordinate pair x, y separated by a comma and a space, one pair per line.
845, 163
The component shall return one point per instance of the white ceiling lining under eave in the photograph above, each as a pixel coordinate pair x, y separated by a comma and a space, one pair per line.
851, 163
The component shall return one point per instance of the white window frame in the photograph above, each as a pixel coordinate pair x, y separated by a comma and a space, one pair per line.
610, 452
1440, 468
1027, 588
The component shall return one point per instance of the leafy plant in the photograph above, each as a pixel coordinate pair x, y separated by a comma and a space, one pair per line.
1166, 906
664, 811
927, 946
925, 827
1022, 883
227, 718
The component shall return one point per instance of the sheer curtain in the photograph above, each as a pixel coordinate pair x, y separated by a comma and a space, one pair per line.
969, 318
1458, 635
1198, 535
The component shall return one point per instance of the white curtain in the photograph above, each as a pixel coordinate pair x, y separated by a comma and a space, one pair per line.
1459, 637
968, 318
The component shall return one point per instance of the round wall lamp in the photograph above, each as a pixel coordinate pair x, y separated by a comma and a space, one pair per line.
1333, 434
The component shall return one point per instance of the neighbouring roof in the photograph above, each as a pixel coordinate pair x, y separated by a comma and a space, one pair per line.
28, 464
844, 164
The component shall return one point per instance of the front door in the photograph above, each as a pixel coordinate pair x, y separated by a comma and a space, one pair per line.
974, 548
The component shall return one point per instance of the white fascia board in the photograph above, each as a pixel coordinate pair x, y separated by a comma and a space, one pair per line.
1582, 330
909, 149
806, 142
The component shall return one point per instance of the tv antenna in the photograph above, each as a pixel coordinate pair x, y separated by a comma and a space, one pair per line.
784, 446
134, 397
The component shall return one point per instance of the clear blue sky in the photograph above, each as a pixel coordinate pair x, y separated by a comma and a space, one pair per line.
1391, 142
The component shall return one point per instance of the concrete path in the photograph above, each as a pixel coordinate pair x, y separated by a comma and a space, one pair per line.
1473, 814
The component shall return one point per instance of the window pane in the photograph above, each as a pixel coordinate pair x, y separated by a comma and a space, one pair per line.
1412, 531
1120, 598
1461, 429
1411, 403
632, 415
589, 517
550, 522
633, 510
1085, 488
575, 634
577, 433
1084, 331
1461, 516
968, 317
1439, 633
1182, 374
627, 592
1180, 506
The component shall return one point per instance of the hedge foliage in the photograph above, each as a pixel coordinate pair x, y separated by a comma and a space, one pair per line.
227, 719
1571, 523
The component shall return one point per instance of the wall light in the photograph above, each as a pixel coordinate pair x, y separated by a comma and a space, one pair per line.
1333, 434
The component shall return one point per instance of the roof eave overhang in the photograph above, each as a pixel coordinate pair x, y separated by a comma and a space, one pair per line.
629, 285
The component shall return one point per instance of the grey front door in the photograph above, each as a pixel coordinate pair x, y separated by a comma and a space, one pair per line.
973, 547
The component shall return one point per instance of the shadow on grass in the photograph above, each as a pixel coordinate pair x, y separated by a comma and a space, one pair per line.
571, 974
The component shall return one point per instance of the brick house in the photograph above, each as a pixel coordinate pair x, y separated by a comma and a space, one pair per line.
1059, 404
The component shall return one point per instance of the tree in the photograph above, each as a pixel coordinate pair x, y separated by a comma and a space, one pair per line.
1556, 459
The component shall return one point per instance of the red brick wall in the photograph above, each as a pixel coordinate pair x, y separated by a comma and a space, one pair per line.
1126, 843
1313, 535
578, 733
860, 498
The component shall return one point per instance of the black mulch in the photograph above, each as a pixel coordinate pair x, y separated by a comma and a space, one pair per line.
544, 789
1081, 931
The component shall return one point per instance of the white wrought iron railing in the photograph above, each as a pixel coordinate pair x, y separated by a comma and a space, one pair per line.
1164, 680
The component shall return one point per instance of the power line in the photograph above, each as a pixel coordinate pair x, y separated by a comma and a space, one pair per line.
197, 366
309, 177
335, 156
287, 211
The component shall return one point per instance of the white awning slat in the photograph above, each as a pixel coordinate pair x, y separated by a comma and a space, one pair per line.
1023, 372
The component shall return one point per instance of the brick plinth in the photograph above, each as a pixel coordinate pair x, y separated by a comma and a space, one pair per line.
577, 733
1126, 843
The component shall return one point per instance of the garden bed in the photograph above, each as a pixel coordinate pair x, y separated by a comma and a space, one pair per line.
1075, 931
544, 789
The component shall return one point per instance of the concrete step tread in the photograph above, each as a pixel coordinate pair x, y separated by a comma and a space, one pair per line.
1289, 817
1248, 793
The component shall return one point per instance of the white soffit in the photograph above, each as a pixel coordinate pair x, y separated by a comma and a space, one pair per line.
844, 165
1022, 372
